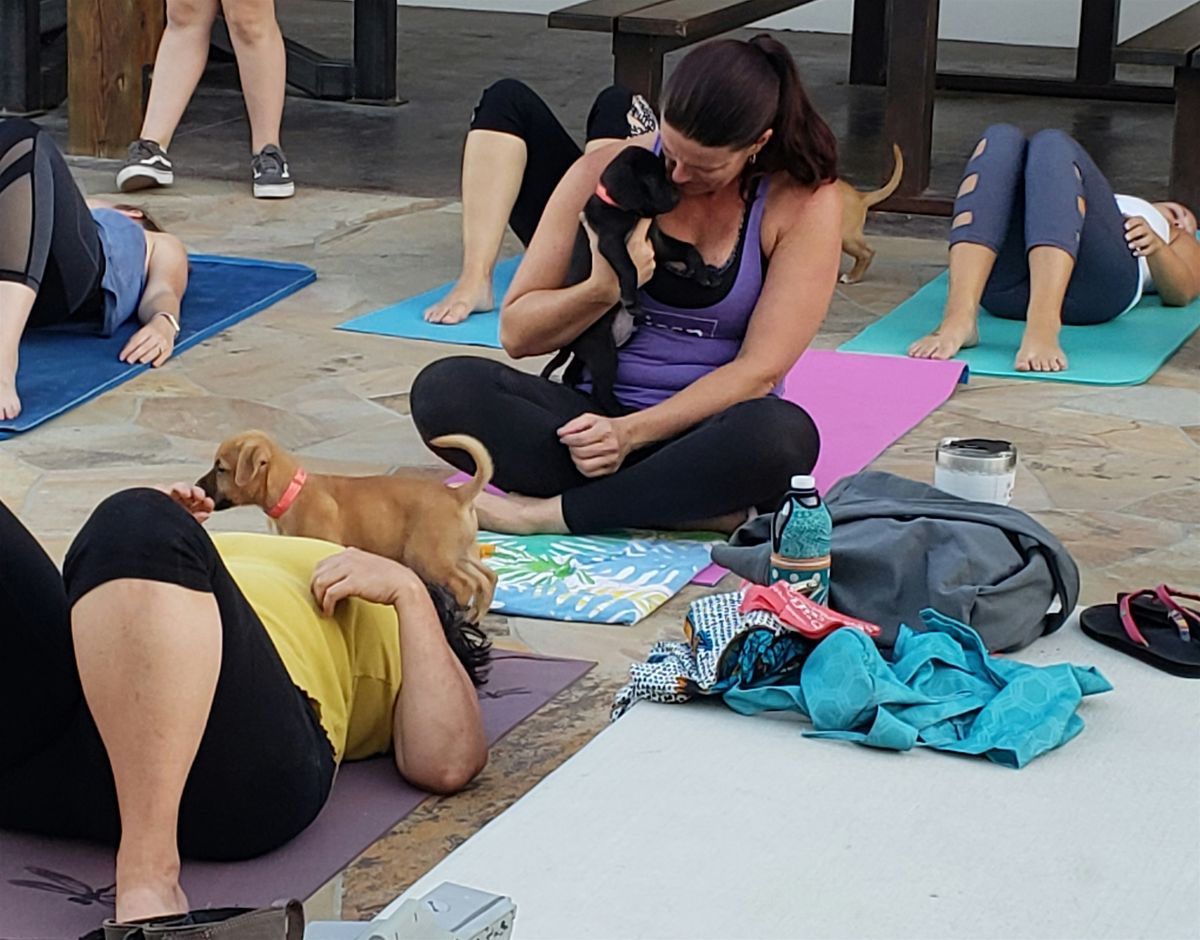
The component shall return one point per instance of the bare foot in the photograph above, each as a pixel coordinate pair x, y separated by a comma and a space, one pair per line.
464, 299
953, 334
10, 404
1040, 353
145, 900
520, 515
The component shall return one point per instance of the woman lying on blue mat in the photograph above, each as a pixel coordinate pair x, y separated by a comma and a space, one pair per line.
700, 436
174, 693
65, 265
1039, 236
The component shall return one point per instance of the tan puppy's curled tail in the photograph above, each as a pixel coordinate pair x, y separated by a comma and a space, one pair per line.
873, 199
478, 453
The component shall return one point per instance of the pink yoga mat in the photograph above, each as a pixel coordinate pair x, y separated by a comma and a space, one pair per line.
57, 888
862, 404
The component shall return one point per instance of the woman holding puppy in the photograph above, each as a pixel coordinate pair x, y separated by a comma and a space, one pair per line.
702, 435
69, 265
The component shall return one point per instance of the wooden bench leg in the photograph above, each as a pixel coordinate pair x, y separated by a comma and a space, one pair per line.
1185, 144
110, 44
1097, 35
868, 43
638, 64
375, 50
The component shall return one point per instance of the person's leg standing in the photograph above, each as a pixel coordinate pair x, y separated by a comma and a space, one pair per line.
262, 65
178, 65
986, 240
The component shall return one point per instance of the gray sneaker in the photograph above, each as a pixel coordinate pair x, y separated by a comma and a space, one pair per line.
272, 179
146, 166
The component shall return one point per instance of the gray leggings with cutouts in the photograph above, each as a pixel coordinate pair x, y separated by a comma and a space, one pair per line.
1020, 193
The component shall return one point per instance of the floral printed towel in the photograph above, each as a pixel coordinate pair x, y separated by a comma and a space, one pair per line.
595, 579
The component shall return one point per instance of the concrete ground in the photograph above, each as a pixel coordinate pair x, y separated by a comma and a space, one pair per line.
1114, 472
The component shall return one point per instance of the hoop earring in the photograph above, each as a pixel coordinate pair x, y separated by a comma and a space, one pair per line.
753, 158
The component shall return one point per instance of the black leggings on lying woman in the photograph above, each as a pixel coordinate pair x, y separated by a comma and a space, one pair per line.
48, 239
264, 766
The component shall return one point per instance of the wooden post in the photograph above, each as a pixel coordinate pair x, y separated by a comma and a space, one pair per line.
110, 46
1185, 144
911, 74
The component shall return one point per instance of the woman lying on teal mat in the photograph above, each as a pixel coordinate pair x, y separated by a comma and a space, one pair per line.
700, 433
1039, 236
68, 265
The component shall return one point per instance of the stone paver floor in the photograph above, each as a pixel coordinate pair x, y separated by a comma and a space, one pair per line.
1114, 472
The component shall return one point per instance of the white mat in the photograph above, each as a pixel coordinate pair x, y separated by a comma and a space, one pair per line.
691, 821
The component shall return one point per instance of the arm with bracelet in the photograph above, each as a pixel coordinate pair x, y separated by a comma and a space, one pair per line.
158, 311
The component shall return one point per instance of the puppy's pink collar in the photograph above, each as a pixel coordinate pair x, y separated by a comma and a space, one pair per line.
602, 192
289, 495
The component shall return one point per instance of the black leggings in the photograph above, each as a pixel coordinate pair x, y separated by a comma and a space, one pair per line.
512, 107
264, 767
742, 457
48, 239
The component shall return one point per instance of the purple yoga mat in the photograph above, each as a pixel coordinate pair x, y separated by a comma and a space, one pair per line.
55, 888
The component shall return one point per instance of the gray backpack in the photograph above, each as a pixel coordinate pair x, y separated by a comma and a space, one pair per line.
900, 546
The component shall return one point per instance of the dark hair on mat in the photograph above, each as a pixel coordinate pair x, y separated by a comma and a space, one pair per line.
144, 219
470, 644
726, 93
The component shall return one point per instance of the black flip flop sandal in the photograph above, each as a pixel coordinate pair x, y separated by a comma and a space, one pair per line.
1151, 626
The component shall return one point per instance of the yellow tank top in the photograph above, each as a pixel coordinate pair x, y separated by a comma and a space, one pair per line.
348, 665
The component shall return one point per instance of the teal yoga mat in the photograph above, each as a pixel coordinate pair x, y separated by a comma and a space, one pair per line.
1124, 351
406, 318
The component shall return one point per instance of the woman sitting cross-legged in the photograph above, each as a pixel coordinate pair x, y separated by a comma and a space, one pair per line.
174, 693
701, 435
68, 265
1039, 236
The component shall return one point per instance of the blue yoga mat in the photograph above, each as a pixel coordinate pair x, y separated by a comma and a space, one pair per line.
1124, 351
406, 319
61, 370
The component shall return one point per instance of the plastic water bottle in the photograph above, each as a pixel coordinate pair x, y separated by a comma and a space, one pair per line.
800, 541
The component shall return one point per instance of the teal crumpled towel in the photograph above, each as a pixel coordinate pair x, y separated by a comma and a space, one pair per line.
941, 690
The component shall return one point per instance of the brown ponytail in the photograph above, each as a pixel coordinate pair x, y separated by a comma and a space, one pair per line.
725, 93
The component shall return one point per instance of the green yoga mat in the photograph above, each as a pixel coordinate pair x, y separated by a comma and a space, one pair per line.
1124, 351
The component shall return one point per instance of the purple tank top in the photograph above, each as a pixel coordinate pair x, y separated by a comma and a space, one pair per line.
675, 346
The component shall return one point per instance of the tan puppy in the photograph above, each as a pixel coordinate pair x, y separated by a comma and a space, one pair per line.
854, 218
424, 524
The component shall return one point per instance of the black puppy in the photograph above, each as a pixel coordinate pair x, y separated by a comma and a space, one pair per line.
682, 259
633, 186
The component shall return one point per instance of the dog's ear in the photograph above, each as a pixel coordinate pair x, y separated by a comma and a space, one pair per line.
620, 178
252, 460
